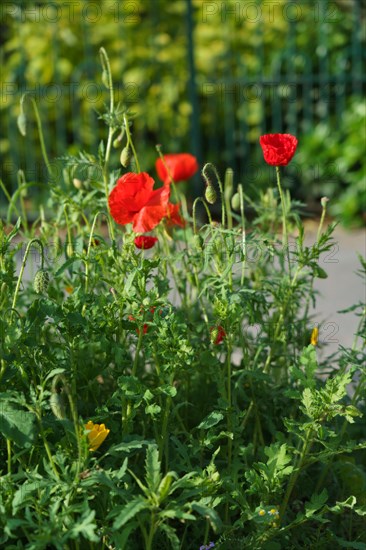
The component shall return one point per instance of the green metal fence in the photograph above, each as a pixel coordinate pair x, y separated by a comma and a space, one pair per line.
248, 91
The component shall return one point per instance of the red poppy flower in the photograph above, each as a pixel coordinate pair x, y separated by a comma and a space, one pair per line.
133, 200
145, 326
173, 216
278, 149
145, 242
217, 334
180, 166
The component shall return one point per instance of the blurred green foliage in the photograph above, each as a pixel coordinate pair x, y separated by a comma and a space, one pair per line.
259, 67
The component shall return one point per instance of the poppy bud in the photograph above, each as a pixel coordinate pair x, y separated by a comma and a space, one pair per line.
324, 201
105, 78
125, 156
21, 121
210, 194
217, 335
41, 281
57, 405
235, 202
78, 184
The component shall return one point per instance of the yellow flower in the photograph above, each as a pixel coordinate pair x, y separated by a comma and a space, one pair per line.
314, 336
96, 434
262, 512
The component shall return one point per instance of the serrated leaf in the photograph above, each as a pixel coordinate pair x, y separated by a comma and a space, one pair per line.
208, 513
152, 468
85, 527
129, 511
307, 400
171, 536
317, 501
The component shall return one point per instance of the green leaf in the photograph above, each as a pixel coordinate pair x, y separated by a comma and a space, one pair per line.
152, 467
165, 484
85, 527
317, 501
211, 420
349, 544
17, 424
129, 511
208, 513
153, 409
171, 536
127, 446
66, 265
307, 399
25, 493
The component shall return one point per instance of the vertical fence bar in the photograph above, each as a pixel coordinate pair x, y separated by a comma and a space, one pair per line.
192, 93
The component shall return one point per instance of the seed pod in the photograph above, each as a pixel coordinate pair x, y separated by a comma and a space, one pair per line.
41, 281
125, 156
57, 405
210, 194
235, 202
105, 78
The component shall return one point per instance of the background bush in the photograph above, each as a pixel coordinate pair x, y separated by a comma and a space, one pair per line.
209, 80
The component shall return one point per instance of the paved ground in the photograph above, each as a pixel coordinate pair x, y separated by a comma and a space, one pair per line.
340, 290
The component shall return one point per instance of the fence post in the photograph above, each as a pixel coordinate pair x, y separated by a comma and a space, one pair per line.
193, 97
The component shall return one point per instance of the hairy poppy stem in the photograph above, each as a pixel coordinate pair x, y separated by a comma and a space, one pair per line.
23, 267
284, 220
130, 142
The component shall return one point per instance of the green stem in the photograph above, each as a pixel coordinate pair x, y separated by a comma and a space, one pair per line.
228, 191
130, 142
133, 373
106, 67
284, 220
21, 181
296, 472
46, 446
321, 223
40, 131
8, 447
23, 267
87, 257
199, 199
243, 238
151, 532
